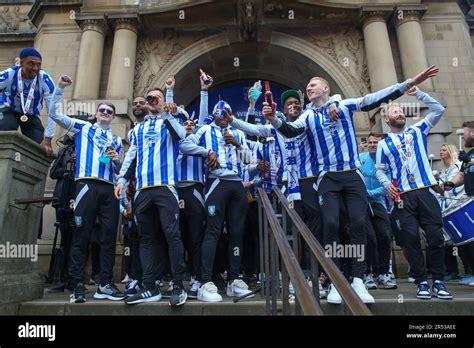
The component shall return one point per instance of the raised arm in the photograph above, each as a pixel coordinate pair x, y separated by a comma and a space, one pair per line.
373, 100
204, 102
436, 110
169, 84
54, 112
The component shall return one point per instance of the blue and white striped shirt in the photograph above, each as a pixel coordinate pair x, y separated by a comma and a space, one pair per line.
418, 163
334, 144
43, 90
211, 137
91, 142
190, 168
156, 151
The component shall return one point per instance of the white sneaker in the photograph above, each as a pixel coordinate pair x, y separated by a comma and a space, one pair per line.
411, 279
333, 296
361, 291
238, 288
208, 293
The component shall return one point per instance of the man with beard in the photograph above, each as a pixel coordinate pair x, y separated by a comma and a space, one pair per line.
406, 154
466, 174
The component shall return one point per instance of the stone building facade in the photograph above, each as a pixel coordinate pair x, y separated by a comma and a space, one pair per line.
117, 49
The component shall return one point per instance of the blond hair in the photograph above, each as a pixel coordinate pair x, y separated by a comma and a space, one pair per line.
453, 154
323, 81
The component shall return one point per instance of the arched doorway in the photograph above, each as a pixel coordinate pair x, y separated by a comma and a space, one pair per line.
284, 59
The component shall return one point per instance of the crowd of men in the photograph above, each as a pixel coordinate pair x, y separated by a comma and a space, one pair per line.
187, 188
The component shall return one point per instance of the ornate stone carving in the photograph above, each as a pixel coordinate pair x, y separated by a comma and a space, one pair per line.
125, 23
13, 19
346, 46
154, 52
247, 18
98, 25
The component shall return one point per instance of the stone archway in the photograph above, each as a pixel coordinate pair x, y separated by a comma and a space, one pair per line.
284, 58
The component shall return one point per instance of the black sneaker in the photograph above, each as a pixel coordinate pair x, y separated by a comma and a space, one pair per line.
133, 288
145, 295
423, 291
79, 295
109, 292
178, 296
440, 291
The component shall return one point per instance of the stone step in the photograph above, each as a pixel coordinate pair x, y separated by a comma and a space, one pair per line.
400, 301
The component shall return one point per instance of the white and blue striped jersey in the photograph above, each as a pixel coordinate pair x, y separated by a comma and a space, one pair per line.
43, 90
190, 168
91, 143
156, 151
334, 143
211, 137
417, 164
273, 151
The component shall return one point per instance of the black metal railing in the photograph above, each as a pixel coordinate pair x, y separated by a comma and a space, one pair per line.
276, 253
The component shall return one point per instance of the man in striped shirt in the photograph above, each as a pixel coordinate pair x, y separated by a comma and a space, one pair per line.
334, 141
154, 144
225, 199
405, 152
190, 191
23, 89
98, 158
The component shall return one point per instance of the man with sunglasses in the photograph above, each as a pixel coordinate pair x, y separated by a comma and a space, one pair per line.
98, 159
24, 88
154, 144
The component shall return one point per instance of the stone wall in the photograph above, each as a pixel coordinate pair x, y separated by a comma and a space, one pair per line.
448, 45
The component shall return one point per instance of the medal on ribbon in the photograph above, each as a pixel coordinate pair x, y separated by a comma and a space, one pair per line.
405, 154
25, 107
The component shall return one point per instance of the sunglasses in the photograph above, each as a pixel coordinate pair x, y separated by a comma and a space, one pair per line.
150, 98
106, 110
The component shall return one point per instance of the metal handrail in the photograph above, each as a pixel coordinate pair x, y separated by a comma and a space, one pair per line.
291, 267
353, 302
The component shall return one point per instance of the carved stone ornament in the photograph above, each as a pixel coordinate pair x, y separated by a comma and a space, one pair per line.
15, 20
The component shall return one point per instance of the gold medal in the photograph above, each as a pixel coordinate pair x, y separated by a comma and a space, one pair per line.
411, 179
24, 118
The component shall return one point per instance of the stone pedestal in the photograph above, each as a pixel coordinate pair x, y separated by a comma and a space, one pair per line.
23, 171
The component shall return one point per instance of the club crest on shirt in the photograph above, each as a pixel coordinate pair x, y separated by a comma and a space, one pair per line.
211, 210
78, 221
102, 142
151, 137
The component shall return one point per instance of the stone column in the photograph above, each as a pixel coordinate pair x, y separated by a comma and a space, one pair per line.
89, 67
377, 45
379, 53
411, 42
122, 65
